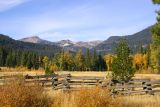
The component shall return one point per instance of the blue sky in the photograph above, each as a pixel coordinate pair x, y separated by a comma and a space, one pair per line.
78, 20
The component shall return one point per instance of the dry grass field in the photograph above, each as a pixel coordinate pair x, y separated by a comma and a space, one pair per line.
23, 71
91, 98
141, 101
86, 98
95, 97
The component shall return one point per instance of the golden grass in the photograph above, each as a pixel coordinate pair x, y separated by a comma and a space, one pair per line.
24, 71
16, 94
95, 97
19, 69
141, 101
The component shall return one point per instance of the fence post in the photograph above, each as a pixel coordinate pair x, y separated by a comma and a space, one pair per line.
112, 84
98, 82
54, 81
144, 85
66, 82
149, 88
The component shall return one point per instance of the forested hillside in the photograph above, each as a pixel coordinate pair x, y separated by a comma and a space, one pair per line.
41, 49
135, 41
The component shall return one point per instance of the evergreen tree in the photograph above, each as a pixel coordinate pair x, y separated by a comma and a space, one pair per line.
155, 47
34, 60
2, 57
9, 60
122, 65
29, 62
18, 58
94, 59
88, 61
148, 53
14, 63
141, 49
24, 59
100, 64
61, 60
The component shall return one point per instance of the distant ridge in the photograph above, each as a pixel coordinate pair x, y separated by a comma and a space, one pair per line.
66, 44
142, 38
42, 49
34, 43
36, 39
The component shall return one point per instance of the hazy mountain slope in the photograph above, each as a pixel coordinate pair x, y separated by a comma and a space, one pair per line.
65, 44
36, 39
142, 38
42, 49
75, 46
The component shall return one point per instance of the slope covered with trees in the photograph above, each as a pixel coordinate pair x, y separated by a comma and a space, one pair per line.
41, 49
64, 60
135, 41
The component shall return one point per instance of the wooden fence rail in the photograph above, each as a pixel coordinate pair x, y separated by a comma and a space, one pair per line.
69, 82
133, 86
64, 81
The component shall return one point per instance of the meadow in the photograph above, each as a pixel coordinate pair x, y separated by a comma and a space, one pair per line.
95, 97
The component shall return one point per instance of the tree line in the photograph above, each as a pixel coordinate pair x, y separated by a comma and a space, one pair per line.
13, 58
67, 61
64, 60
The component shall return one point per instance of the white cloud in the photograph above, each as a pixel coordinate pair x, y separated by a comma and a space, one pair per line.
7, 4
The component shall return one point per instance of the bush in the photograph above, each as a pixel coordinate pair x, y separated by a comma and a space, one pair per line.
48, 71
16, 94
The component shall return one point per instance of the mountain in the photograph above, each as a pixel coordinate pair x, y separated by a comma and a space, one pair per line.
135, 41
65, 44
89, 44
42, 49
75, 46
142, 38
36, 39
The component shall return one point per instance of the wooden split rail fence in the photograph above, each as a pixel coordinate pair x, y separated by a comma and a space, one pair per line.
69, 82
139, 86
65, 81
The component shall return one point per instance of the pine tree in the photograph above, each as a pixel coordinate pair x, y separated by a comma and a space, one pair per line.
2, 58
94, 59
122, 65
14, 63
29, 62
9, 59
155, 47
24, 59
61, 60
18, 58
100, 64
34, 60
88, 61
